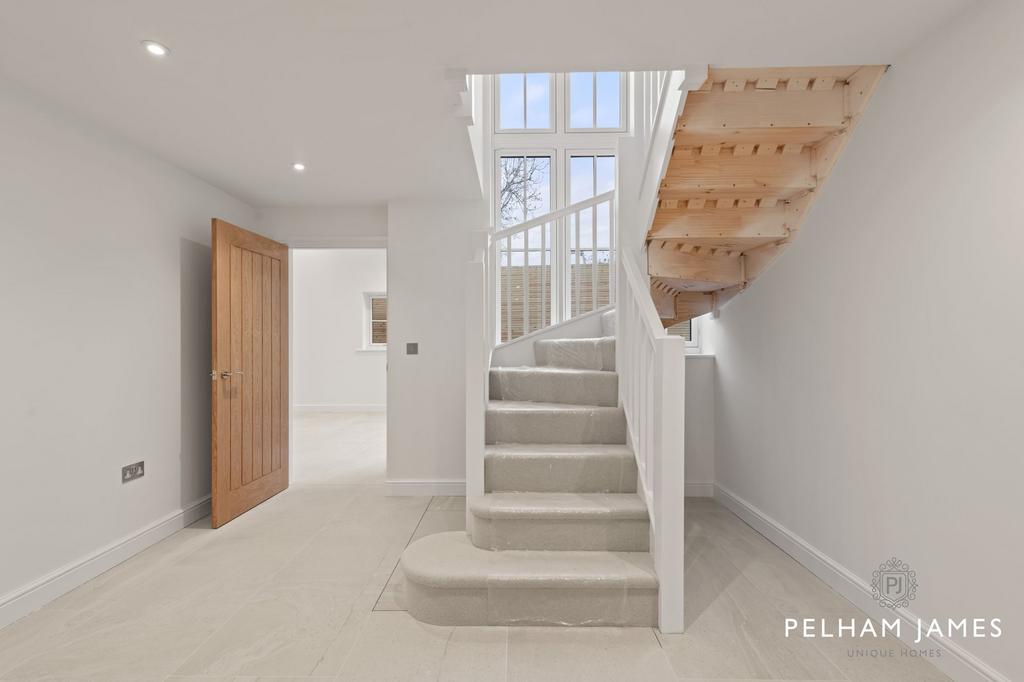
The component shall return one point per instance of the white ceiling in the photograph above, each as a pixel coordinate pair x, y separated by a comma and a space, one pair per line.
356, 88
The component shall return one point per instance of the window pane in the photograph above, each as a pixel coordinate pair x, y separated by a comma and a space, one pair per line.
605, 174
539, 186
581, 100
525, 188
683, 329
378, 308
379, 332
538, 100
581, 178
510, 96
608, 100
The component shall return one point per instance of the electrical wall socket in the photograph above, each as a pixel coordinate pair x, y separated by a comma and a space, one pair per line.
133, 471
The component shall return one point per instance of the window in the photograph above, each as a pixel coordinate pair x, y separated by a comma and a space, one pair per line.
524, 187
682, 329
689, 330
376, 321
590, 175
596, 100
590, 239
525, 101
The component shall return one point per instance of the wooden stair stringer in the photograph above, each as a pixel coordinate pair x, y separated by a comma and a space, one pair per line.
752, 150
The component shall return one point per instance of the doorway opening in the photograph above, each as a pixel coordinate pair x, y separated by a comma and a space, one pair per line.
339, 366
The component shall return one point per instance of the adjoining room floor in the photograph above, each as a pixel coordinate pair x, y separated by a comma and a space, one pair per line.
339, 448
305, 587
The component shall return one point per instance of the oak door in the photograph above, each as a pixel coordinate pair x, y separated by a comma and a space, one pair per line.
249, 377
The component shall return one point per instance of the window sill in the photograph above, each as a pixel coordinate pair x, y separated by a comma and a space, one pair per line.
371, 349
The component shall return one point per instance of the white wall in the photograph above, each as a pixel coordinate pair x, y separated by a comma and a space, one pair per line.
870, 385
332, 370
428, 247
105, 281
340, 226
700, 425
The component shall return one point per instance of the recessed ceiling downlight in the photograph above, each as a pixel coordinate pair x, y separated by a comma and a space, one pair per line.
154, 48
298, 167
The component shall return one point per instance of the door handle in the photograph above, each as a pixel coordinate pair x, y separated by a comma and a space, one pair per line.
224, 374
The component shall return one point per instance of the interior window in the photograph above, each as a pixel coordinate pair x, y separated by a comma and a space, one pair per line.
377, 305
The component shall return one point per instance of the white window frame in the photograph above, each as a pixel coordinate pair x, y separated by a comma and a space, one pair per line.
623, 105
368, 344
570, 152
552, 108
525, 151
693, 345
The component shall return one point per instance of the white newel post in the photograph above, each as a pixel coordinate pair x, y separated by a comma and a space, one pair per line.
478, 352
669, 479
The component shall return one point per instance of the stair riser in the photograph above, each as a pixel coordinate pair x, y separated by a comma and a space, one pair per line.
499, 605
615, 535
608, 323
586, 389
576, 353
560, 474
588, 427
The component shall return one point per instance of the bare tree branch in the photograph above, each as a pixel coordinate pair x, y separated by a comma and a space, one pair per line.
522, 180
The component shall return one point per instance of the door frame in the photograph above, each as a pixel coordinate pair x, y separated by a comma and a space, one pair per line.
340, 242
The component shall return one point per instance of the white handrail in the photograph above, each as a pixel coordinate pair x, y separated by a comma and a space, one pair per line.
554, 215
566, 268
651, 366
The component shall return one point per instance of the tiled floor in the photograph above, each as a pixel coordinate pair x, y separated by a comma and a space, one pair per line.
304, 587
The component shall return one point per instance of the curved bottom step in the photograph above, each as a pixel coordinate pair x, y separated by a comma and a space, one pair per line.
451, 582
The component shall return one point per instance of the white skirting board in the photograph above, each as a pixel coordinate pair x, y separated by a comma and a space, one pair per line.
955, 661
36, 594
416, 488
307, 409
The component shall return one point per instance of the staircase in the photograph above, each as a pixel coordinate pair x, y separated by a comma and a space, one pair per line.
560, 536
752, 149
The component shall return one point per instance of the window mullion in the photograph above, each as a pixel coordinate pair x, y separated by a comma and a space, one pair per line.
526, 107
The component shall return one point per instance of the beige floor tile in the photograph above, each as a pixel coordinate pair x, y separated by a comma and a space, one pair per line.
439, 522
33, 635
345, 448
152, 558
538, 654
793, 590
732, 630
245, 678
879, 661
432, 522
284, 631
149, 646
704, 504
354, 549
394, 648
448, 503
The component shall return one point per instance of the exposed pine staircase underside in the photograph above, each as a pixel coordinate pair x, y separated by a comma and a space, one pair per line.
752, 148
